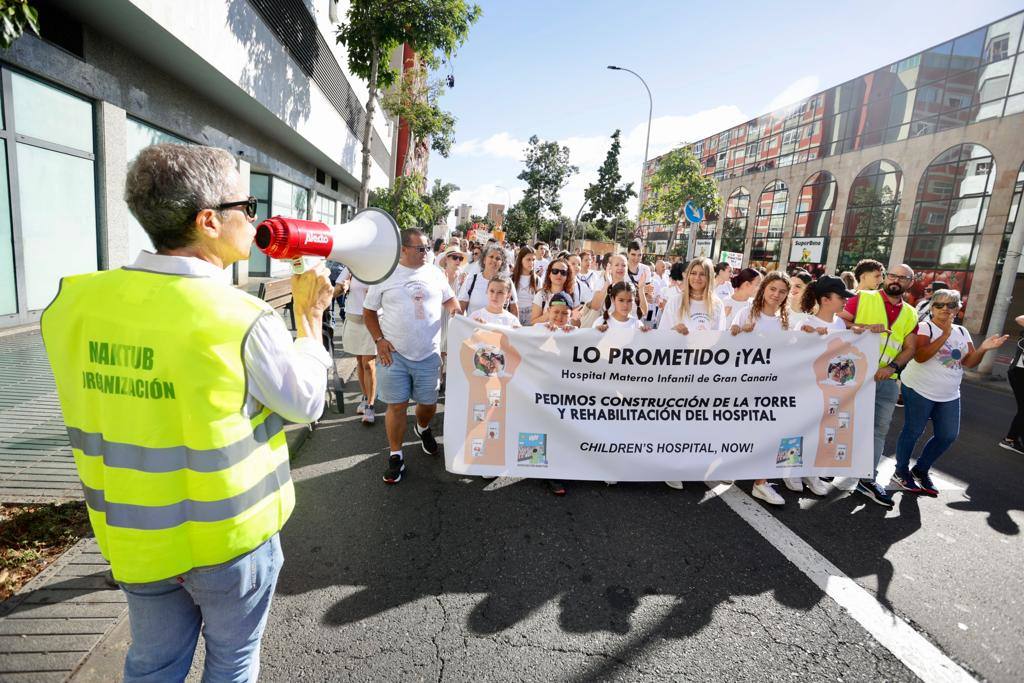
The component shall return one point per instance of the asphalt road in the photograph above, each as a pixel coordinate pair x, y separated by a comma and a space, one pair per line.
451, 578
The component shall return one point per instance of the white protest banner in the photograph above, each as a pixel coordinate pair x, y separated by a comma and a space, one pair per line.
633, 406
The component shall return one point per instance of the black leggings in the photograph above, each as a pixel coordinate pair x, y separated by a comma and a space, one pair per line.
1016, 377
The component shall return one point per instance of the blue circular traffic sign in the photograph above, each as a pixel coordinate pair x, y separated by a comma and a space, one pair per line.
694, 213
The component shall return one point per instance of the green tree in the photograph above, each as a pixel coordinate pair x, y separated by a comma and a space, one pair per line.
415, 101
518, 225
434, 29
404, 202
15, 16
677, 180
437, 201
547, 172
606, 197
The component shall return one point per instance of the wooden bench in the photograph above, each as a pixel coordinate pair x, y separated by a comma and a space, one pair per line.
278, 293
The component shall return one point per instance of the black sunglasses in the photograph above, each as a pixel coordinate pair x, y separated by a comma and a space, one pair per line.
422, 250
455, 257
946, 304
558, 271
250, 206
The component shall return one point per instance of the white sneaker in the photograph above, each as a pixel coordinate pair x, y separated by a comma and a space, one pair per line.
793, 484
816, 486
766, 492
361, 408
611, 483
677, 485
368, 415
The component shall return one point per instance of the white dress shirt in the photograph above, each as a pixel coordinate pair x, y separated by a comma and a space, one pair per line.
288, 377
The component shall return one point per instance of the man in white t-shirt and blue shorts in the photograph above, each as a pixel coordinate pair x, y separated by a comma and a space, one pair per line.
403, 316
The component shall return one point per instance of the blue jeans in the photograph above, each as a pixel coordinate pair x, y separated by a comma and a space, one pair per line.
886, 393
230, 602
945, 417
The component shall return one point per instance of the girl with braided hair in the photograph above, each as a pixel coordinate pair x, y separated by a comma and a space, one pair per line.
619, 308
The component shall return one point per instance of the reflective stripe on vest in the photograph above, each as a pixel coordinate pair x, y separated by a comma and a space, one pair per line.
871, 311
150, 373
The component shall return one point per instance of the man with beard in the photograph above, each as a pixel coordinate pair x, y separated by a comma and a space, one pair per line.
885, 312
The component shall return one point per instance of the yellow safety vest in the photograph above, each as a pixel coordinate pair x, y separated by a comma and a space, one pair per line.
871, 311
152, 383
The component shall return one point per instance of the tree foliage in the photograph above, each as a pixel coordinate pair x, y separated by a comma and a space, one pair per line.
415, 101
404, 202
677, 180
15, 16
518, 225
547, 171
434, 29
606, 197
437, 201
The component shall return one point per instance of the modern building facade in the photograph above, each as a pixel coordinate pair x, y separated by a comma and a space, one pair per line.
264, 79
496, 214
919, 161
463, 213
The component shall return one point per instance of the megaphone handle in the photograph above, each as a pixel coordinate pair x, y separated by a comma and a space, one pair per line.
303, 263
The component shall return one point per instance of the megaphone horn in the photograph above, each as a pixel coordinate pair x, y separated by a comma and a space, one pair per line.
369, 245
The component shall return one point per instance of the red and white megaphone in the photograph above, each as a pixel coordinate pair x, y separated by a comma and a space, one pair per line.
369, 245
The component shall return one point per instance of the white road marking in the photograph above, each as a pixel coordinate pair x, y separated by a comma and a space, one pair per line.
910, 647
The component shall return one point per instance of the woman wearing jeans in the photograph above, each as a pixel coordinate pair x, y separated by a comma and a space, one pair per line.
931, 390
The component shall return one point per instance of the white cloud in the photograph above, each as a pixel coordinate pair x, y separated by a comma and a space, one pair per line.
500, 145
797, 90
588, 153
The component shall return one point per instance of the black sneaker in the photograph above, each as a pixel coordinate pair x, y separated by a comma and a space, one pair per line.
905, 482
925, 482
1014, 445
396, 465
427, 439
873, 490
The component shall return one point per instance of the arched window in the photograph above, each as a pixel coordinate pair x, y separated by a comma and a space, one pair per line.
871, 212
814, 206
1018, 191
952, 201
734, 220
768, 224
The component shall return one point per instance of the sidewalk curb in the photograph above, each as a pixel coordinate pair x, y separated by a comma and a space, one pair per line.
42, 578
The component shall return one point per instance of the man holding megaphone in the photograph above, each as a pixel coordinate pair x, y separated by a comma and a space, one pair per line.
175, 388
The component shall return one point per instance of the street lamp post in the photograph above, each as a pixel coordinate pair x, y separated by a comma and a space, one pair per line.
647, 144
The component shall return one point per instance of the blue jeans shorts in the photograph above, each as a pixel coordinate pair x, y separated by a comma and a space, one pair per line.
406, 380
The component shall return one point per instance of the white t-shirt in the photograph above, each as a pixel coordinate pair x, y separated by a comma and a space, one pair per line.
355, 297
764, 323
697, 319
503, 319
938, 378
473, 267
724, 290
632, 323
797, 320
478, 298
540, 266
641, 270
541, 298
732, 306
582, 292
524, 293
410, 303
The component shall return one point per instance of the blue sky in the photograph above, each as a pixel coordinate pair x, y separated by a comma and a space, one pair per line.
534, 67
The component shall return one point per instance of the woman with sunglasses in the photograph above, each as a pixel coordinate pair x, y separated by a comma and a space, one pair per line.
557, 279
450, 262
931, 390
473, 294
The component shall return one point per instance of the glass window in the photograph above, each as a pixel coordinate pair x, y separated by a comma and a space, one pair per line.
8, 292
1003, 38
259, 187
326, 209
950, 209
44, 112
934, 63
871, 213
768, 224
140, 136
58, 237
814, 206
734, 223
1018, 191
967, 51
